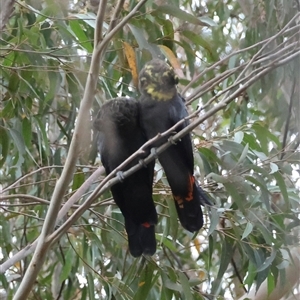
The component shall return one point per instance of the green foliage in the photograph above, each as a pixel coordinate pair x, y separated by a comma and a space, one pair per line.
248, 153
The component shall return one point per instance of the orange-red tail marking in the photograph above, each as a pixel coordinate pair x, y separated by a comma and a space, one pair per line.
189, 196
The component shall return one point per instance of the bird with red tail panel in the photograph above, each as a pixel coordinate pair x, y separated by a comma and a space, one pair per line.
161, 107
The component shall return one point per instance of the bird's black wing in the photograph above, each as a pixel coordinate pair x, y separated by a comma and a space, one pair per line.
119, 136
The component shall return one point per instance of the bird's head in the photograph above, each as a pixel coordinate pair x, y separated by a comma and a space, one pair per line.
158, 80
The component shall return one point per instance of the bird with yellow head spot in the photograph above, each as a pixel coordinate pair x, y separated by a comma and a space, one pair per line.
161, 107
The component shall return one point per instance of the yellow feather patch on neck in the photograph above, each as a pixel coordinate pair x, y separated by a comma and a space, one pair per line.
158, 95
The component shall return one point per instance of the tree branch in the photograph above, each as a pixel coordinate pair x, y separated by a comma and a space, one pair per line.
6, 10
287, 124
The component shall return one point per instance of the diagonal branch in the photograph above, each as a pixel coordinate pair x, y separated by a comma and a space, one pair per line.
287, 124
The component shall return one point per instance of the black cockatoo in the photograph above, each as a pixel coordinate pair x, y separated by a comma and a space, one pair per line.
161, 107
120, 135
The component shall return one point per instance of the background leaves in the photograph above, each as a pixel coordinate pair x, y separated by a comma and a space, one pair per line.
247, 154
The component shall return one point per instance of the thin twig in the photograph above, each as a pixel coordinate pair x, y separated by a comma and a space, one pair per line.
116, 13
24, 196
99, 22
287, 124
28, 175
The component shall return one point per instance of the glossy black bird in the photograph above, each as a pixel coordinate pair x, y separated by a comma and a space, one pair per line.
161, 107
120, 135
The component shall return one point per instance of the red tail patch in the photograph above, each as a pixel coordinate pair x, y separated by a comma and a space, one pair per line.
189, 196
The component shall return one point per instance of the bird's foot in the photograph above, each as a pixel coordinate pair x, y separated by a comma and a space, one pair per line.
120, 176
142, 163
154, 152
171, 140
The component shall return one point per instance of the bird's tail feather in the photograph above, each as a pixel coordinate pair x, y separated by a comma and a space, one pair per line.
141, 238
189, 208
190, 215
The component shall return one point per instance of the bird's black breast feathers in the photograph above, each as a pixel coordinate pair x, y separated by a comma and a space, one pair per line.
158, 116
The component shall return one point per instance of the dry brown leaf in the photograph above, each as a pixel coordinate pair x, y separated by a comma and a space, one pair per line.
131, 58
172, 59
